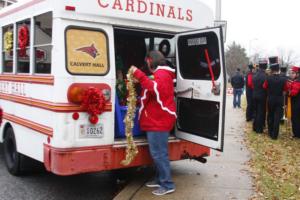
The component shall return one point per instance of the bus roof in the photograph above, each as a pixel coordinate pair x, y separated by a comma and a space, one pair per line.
183, 15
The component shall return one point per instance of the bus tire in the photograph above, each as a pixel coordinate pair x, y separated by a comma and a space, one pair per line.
11, 156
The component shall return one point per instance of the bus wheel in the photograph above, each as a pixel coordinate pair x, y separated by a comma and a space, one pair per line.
11, 156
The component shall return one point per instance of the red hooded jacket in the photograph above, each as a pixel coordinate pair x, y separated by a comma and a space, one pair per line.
158, 108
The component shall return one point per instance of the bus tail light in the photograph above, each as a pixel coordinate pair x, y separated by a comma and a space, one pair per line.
76, 91
75, 116
94, 119
75, 94
70, 8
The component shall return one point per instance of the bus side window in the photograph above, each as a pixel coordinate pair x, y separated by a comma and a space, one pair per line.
7, 48
23, 46
43, 43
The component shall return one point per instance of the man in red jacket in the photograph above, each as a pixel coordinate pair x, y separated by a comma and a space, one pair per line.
157, 116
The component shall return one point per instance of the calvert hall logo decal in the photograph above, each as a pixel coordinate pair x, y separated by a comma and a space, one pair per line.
87, 51
90, 50
150, 8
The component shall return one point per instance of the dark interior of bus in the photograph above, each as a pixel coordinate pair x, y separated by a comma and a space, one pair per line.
131, 47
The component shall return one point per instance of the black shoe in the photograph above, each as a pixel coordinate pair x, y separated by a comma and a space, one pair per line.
274, 138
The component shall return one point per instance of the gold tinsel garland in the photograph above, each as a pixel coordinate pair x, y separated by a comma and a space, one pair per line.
8, 41
131, 149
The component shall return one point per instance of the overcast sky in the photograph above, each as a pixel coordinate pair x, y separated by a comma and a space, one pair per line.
262, 25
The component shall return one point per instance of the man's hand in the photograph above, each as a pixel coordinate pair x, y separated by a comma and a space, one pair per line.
133, 68
135, 80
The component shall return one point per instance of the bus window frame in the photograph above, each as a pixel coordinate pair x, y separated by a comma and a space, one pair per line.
34, 46
29, 46
2, 48
89, 29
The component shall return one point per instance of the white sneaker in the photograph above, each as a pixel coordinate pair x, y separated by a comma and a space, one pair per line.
162, 191
152, 184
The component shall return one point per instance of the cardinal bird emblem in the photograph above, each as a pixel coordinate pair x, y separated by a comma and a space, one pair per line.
91, 50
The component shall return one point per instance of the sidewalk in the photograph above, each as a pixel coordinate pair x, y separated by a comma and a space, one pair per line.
223, 177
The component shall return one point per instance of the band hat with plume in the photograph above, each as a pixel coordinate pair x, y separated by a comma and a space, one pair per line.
295, 69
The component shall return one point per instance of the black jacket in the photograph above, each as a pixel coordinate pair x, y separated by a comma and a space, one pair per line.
258, 81
237, 81
276, 85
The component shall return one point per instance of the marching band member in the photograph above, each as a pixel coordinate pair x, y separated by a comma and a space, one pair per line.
283, 71
295, 100
249, 94
259, 97
275, 85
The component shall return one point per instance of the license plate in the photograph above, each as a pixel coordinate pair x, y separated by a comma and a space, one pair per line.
88, 131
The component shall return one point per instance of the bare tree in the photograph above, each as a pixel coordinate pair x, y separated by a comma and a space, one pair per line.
236, 57
255, 58
287, 57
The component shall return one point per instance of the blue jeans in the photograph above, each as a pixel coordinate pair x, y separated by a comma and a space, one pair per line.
237, 93
158, 146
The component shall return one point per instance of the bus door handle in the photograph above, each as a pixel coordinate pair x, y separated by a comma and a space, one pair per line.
184, 91
194, 92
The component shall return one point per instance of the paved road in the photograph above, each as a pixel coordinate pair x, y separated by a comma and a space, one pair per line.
46, 186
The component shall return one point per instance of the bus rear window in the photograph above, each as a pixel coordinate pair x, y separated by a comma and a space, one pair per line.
8, 48
23, 48
43, 43
192, 60
86, 51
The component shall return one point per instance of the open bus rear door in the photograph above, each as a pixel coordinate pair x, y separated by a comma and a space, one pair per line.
201, 87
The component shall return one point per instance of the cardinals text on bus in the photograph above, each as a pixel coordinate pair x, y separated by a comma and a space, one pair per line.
150, 8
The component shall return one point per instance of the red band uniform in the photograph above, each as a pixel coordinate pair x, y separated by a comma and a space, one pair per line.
295, 103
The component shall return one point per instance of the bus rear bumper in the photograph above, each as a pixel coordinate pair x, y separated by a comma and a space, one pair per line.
70, 161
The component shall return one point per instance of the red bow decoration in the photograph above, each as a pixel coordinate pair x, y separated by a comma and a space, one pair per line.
23, 39
94, 103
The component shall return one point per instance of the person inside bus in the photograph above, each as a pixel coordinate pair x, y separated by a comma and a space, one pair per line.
158, 116
121, 83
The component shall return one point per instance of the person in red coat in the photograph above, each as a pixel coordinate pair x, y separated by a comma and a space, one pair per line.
295, 100
157, 116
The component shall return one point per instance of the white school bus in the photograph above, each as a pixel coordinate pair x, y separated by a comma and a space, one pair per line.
60, 56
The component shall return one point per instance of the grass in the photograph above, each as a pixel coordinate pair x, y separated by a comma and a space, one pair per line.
275, 164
